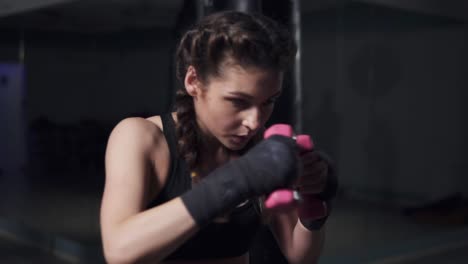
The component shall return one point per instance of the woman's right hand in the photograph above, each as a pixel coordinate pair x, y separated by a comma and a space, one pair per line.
270, 165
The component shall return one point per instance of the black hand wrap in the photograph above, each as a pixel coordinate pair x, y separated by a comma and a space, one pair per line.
331, 186
327, 195
270, 165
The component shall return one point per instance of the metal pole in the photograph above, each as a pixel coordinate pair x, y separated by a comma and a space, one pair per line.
296, 17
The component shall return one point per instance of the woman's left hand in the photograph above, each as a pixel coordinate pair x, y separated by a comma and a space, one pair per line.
314, 174
312, 181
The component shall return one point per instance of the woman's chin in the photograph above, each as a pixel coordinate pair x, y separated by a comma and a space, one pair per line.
236, 143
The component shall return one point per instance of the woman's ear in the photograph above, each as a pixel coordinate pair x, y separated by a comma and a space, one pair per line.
191, 81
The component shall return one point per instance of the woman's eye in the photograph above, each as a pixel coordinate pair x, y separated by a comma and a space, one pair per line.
239, 103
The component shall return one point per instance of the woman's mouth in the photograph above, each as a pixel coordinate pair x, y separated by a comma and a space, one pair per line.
239, 140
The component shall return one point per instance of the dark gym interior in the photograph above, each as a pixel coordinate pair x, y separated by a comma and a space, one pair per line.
379, 84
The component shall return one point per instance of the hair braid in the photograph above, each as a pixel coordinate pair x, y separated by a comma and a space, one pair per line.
186, 128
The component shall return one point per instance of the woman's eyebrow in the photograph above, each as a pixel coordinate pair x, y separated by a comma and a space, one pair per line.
249, 97
241, 94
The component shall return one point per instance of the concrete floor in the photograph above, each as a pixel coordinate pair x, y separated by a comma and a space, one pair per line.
53, 219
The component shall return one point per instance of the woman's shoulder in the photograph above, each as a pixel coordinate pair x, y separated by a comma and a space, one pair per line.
146, 131
157, 120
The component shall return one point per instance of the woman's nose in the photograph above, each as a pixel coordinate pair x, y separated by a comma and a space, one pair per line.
252, 119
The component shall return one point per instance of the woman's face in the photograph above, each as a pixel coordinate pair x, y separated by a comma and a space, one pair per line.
233, 107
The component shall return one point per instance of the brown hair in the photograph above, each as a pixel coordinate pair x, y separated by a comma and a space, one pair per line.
247, 40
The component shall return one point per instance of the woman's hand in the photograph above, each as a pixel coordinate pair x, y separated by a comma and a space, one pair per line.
311, 182
314, 174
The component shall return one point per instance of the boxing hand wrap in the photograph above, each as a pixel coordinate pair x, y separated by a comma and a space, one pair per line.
331, 185
269, 165
313, 212
315, 209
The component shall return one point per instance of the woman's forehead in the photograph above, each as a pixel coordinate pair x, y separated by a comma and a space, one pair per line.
240, 73
249, 83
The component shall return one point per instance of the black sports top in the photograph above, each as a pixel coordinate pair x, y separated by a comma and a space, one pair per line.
216, 240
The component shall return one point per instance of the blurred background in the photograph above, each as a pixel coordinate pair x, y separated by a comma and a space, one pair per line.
379, 84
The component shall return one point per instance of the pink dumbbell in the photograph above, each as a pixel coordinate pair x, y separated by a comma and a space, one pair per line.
286, 197
312, 208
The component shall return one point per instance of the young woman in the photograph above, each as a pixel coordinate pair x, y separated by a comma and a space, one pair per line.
186, 187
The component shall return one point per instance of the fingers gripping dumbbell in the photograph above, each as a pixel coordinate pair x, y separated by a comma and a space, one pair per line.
312, 208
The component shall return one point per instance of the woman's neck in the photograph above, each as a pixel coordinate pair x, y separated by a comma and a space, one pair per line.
213, 155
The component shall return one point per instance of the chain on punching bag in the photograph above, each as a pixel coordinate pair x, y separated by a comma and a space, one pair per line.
206, 7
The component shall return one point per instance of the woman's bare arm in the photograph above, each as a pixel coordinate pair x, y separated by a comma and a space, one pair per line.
298, 244
130, 232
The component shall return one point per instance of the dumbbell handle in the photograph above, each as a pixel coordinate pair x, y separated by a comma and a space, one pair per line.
286, 197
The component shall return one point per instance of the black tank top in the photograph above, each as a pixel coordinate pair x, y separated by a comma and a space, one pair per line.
216, 240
